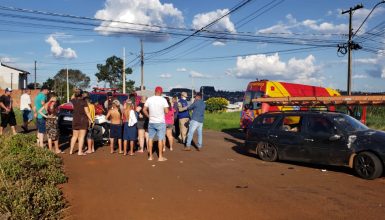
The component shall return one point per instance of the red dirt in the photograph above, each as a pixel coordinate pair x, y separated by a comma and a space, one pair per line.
220, 182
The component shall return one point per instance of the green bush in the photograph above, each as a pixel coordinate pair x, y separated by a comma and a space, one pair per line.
216, 104
28, 180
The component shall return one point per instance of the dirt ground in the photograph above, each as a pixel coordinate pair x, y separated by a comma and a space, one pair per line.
221, 182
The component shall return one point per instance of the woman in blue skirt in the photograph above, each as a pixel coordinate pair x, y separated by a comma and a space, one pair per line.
130, 133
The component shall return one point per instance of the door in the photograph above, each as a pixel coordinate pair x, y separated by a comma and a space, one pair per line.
289, 139
324, 143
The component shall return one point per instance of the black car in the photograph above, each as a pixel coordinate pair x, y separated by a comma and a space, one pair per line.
330, 138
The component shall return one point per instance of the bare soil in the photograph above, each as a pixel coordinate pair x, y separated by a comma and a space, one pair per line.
221, 182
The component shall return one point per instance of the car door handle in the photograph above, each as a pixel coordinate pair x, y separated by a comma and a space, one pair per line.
309, 139
273, 136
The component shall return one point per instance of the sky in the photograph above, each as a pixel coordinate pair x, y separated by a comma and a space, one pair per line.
220, 43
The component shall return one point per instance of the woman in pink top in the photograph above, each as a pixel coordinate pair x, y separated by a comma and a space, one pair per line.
169, 118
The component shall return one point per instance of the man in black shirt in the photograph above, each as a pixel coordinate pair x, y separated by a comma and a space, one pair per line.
7, 113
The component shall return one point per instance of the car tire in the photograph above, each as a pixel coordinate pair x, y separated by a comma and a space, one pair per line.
368, 166
267, 152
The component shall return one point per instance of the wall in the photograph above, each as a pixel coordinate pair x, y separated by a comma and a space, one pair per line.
5, 78
16, 96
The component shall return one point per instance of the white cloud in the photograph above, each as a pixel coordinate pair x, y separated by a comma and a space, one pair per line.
176, 86
360, 76
272, 67
58, 51
147, 12
195, 74
165, 75
182, 69
224, 24
219, 44
278, 28
5, 59
86, 41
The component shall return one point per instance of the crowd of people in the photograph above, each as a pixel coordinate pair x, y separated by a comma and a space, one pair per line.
132, 126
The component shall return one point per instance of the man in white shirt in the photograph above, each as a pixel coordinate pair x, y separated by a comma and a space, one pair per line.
26, 108
155, 108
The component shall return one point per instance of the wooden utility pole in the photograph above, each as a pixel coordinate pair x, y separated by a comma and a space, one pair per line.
350, 44
124, 70
35, 76
68, 87
142, 66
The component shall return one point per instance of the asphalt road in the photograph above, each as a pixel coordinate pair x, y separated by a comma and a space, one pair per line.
221, 182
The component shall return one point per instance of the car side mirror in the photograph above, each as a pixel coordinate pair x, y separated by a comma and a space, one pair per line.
335, 137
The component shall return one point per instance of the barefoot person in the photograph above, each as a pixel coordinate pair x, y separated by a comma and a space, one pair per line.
169, 118
81, 121
49, 112
142, 125
130, 133
115, 116
155, 108
40, 100
90, 130
7, 113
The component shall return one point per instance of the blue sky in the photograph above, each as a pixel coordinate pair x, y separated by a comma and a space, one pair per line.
287, 40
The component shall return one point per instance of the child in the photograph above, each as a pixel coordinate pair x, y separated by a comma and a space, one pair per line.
130, 131
115, 116
90, 137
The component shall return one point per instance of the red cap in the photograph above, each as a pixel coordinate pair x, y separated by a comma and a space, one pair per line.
158, 89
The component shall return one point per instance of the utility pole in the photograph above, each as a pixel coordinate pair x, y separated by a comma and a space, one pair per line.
142, 66
68, 87
350, 44
124, 70
11, 80
35, 76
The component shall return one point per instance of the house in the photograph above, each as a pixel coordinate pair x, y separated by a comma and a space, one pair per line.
11, 77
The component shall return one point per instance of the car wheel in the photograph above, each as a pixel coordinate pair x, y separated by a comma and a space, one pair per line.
267, 152
368, 165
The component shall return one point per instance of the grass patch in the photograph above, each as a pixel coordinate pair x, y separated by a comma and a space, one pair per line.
28, 180
221, 121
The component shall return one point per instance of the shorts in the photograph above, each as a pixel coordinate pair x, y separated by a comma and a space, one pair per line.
169, 126
90, 134
158, 129
142, 124
130, 133
27, 115
8, 118
116, 131
41, 125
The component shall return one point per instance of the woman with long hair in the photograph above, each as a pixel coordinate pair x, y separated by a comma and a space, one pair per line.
169, 118
130, 132
49, 112
81, 121
142, 125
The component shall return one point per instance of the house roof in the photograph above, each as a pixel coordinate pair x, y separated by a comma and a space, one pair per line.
22, 71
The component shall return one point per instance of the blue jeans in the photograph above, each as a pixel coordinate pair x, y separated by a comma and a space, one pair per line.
194, 125
158, 129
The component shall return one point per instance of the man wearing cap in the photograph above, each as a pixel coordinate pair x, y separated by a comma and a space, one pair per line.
26, 108
183, 116
7, 113
196, 123
155, 109
40, 100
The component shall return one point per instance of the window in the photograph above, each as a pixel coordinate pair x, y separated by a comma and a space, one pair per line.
265, 121
248, 99
320, 125
291, 123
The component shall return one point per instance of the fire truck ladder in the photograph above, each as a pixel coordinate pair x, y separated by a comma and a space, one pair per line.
323, 101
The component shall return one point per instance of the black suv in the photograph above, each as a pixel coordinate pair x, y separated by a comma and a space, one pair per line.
330, 138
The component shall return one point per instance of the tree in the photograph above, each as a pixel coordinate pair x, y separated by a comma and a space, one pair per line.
216, 104
76, 79
112, 73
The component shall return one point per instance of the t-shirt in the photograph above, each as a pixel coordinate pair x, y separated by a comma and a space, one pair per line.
170, 116
25, 101
41, 97
156, 105
7, 101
